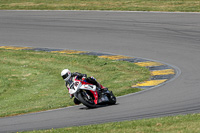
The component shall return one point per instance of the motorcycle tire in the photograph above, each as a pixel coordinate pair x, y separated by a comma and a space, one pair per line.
112, 99
84, 102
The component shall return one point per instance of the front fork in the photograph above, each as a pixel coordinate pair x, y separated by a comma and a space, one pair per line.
94, 93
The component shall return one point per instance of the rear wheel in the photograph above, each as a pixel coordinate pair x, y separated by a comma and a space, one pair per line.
86, 100
112, 99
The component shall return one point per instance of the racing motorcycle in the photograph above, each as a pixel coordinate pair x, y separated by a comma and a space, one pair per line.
91, 96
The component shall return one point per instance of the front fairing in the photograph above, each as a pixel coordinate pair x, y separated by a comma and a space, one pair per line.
88, 87
79, 86
74, 87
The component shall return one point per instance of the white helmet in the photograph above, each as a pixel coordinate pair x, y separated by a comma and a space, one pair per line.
66, 74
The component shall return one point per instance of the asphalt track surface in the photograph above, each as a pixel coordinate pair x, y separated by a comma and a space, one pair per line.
173, 38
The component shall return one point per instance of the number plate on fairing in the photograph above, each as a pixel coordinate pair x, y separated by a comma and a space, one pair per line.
88, 87
75, 87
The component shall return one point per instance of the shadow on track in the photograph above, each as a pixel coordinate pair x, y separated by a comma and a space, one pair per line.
99, 106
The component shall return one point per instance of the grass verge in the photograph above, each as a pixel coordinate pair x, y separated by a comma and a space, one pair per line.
30, 81
175, 124
124, 5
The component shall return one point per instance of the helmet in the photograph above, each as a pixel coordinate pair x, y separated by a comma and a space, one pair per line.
66, 74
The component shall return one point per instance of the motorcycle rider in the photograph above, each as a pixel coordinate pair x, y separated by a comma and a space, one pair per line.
69, 77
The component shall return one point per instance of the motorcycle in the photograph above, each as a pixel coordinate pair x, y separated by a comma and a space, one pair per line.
91, 96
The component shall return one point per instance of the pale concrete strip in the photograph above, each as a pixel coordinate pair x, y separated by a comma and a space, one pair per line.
150, 83
114, 57
149, 64
162, 72
14, 48
111, 11
68, 52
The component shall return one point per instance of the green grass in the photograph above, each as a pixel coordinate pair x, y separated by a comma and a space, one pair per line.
30, 81
175, 124
128, 5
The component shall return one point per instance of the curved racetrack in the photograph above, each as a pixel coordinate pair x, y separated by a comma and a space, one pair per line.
173, 38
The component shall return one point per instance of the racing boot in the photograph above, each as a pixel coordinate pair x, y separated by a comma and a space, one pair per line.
102, 87
71, 96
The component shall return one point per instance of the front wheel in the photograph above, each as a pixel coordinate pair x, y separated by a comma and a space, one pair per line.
85, 100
